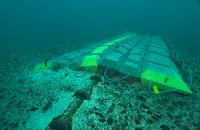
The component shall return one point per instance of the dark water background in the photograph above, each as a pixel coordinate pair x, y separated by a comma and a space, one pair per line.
90, 20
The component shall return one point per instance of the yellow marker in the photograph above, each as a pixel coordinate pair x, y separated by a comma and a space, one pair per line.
90, 62
165, 81
100, 50
155, 89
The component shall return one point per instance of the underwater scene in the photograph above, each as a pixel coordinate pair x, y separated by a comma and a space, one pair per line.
100, 65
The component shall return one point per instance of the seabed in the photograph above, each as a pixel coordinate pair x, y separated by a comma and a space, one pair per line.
48, 98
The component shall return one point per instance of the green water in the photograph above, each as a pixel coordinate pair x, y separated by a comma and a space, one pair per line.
35, 31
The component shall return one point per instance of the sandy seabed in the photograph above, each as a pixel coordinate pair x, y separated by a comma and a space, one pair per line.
33, 102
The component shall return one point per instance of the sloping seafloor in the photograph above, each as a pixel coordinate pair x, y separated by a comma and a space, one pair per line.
70, 99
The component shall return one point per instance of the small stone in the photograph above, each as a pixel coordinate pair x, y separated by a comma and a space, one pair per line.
110, 121
111, 108
196, 124
141, 98
138, 128
13, 125
186, 128
164, 127
124, 125
58, 125
22, 80
138, 119
93, 126
155, 117
173, 127
149, 121
96, 78
198, 128
170, 115
116, 127
177, 123
102, 120
99, 114
123, 112
178, 117
149, 112
33, 109
47, 106
143, 106
83, 95
66, 74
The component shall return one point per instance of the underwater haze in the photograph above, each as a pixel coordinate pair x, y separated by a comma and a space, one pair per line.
99, 65
77, 20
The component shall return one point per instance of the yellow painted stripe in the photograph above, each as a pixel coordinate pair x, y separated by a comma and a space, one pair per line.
91, 61
165, 81
100, 50
155, 89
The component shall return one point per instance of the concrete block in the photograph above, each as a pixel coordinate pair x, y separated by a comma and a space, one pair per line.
159, 59
160, 45
159, 51
133, 40
112, 60
127, 46
137, 51
134, 58
100, 50
130, 68
141, 46
163, 69
121, 50
74, 55
131, 43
